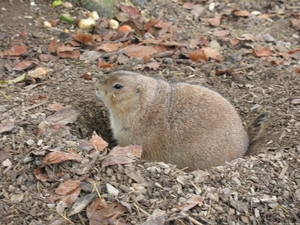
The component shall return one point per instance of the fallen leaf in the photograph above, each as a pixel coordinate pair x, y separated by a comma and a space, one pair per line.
215, 21
139, 51
162, 25
234, 41
6, 125
103, 65
55, 107
39, 72
59, 157
48, 58
247, 37
153, 65
68, 52
90, 55
158, 217
190, 203
16, 50
188, 5
84, 38
53, 45
109, 47
212, 53
260, 51
63, 117
295, 24
221, 33
4, 155
243, 13
198, 54
87, 77
67, 187
23, 65
297, 70
150, 23
81, 203
122, 155
98, 142
99, 212
132, 11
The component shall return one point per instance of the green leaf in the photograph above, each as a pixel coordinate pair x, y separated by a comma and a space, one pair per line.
67, 18
16, 80
56, 3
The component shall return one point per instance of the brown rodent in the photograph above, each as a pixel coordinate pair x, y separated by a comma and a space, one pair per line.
183, 124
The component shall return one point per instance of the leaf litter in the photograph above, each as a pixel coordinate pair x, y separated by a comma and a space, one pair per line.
158, 192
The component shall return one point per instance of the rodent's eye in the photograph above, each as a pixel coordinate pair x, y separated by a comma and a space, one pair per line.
118, 86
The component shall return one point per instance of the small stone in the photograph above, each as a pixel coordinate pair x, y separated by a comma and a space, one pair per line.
30, 142
245, 219
112, 190
296, 101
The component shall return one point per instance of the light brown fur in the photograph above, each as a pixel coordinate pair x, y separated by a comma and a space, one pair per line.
186, 125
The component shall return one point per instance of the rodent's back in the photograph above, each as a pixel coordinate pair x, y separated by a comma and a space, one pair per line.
205, 126
187, 125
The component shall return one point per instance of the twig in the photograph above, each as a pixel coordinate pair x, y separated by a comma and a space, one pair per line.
179, 170
34, 106
65, 218
140, 209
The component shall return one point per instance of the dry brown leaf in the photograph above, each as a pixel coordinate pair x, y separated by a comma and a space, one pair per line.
39, 72
72, 197
90, 55
59, 157
153, 65
133, 12
221, 33
16, 50
139, 51
53, 45
188, 5
87, 77
109, 47
68, 52
158, 217
234, 41
243, 13
215, 21
41, 174
150, 23
84, 38
212, 53
67, 187
6, 125
123, 155
260, 51
297, 70
190, 203
98, 142
47, 58
197, 54
23, 65
99, 213
4, 155
55, 107
104, 65
64, 117
295, 23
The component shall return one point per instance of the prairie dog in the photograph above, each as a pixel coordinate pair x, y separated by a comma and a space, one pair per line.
182, 124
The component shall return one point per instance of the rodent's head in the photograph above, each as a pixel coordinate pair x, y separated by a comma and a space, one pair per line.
120, 91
